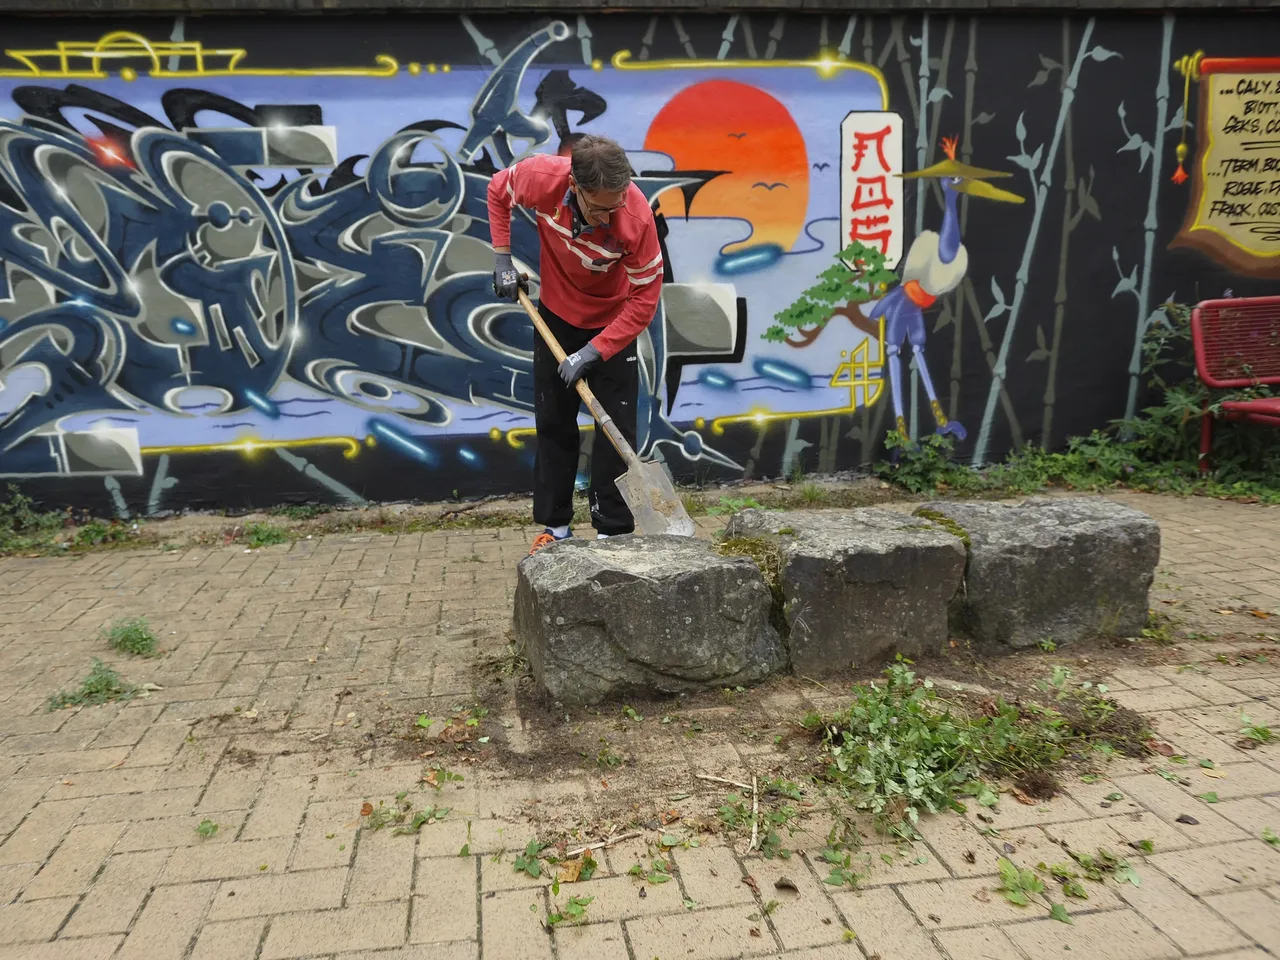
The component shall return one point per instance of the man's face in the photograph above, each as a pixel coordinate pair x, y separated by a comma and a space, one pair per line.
597, 205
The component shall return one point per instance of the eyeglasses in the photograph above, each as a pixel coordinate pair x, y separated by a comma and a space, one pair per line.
589, 207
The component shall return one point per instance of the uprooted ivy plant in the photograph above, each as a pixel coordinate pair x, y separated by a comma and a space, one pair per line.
899, 750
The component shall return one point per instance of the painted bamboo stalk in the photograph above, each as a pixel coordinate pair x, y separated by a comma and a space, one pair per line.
966, 153
1150, 223
1069, 221
1028, 253
921, 191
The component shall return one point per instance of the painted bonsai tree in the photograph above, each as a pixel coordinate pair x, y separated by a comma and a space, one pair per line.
838, 292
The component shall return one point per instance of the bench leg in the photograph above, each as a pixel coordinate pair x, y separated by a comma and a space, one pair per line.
1206, 440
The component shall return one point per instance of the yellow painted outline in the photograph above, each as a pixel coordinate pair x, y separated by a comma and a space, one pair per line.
827, 67
1203, 176
872, 389
124, 45
252, 445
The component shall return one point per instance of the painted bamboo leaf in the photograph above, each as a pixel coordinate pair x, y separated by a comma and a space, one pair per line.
1102, 53
984, 117
1049, 63
1040, 79
1041, 352
937, 93
1084, 199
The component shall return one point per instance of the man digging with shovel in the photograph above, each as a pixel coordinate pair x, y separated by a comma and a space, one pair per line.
601, 274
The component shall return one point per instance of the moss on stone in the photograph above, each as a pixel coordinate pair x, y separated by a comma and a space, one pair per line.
942, 520
764, 553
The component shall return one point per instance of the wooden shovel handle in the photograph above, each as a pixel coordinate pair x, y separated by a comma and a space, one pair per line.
597, 411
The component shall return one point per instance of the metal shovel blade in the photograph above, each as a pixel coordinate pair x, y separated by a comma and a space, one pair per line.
654, 503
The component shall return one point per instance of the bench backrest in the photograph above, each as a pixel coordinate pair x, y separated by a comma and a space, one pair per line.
1237, 341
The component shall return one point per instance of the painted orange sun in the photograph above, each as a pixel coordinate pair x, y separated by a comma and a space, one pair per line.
726, 125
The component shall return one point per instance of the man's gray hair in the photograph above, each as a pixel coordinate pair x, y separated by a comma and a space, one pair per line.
600, 164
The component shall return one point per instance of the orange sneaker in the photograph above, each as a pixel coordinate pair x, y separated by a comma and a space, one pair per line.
543, 539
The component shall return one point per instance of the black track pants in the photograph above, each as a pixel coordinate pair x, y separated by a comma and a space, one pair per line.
556, 407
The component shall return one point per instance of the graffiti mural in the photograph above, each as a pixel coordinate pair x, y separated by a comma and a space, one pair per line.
233, 275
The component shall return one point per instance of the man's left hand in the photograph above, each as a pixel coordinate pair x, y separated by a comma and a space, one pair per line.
576, 365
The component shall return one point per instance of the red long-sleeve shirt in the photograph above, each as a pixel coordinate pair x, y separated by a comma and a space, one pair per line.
607, 277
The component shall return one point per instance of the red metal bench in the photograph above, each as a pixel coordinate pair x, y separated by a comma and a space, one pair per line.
1237, 344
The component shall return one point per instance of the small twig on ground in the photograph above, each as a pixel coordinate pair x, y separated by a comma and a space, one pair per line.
732, 783
755, 813
458, 511
816, 683
603, 843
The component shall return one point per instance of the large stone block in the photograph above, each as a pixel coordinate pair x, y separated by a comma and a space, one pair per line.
600, 618
858, 586
1052, 568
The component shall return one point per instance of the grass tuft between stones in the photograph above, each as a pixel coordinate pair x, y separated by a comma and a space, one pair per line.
101, 685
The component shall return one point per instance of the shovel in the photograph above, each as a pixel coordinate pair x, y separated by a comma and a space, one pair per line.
645, 487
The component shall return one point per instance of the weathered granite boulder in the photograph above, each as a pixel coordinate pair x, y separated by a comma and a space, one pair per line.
1051, 568
857, 586
599, 618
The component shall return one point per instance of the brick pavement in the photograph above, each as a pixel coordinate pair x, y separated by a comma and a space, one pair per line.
280, 662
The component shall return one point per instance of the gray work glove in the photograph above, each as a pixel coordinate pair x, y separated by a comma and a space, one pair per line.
506, 279
576, 365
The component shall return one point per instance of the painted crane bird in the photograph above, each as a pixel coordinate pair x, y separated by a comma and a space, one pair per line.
935, 265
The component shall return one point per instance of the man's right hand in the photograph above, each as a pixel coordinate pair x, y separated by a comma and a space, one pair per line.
506, 279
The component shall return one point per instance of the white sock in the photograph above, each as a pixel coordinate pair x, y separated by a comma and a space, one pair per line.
602, 536
559, 532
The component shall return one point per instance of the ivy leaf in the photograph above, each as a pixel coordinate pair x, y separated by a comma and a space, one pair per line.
1059, 912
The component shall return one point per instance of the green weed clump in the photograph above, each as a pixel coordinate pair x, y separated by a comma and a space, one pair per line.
1157, 451
132, 635
264, 534
24, 528
101, 685
899, 750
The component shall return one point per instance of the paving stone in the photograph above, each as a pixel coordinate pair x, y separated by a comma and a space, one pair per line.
458, 950
230, 940
384, 868
711, 876
1114, 935
963, 903
978, 943
597, 941
803, 918
885, 926
1252, 912
168, 923
445, 907
41, 831
286, 893
718, 933
954, 839
512, 924
1156, 699
33, 921
363, 927
75, 863
116, 895
225, 860
1220, 868
90, 948
1182, 918
1169, 801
